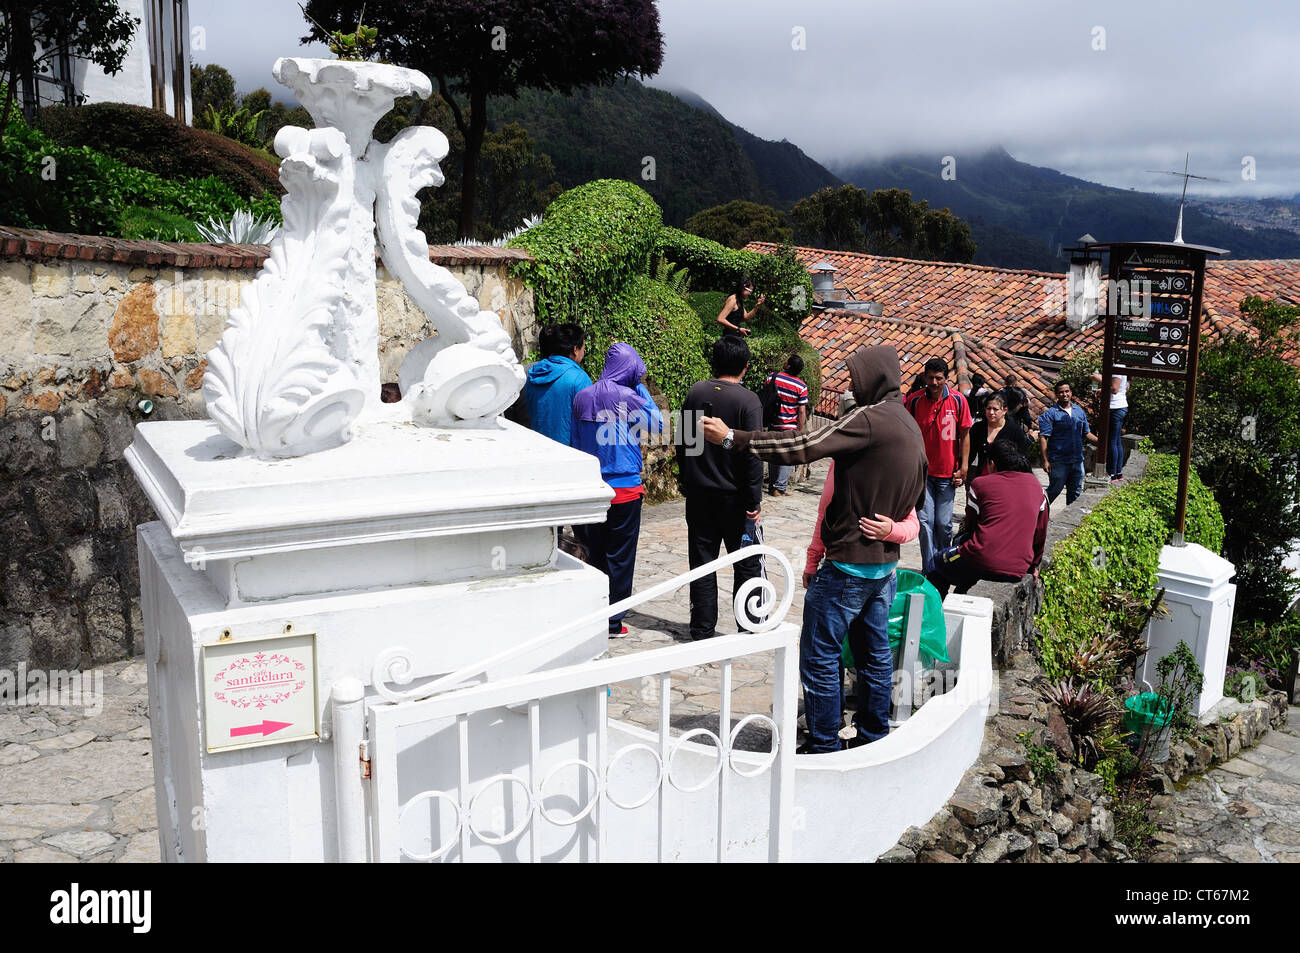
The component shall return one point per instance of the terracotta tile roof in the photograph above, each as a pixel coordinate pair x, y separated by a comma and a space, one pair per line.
837, 334
1023, 312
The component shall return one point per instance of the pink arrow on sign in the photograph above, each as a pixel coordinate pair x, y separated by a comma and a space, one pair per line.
265, 728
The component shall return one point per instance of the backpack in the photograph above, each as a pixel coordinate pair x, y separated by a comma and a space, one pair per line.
770, 398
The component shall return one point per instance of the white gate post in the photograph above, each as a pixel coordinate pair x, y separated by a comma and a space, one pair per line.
347, 708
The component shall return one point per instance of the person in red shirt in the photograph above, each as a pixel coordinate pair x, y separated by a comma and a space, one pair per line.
1004, 529
944, 417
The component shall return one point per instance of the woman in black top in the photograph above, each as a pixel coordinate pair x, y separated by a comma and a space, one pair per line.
996, 426
733, 313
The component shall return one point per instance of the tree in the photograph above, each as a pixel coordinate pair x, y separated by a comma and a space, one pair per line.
210, 85
259, 100
474, 49
738, 223
36, 34
884, 222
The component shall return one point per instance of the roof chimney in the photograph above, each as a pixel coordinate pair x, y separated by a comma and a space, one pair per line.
823, 278
1083, 286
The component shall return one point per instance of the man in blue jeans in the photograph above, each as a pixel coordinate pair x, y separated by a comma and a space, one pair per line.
1062, 428
879, 472
944, 417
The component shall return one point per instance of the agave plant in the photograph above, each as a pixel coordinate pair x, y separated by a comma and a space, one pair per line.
242, 229
1088, 714
505, 239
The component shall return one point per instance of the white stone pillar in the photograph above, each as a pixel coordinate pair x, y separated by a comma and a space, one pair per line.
439, 541
1200, 601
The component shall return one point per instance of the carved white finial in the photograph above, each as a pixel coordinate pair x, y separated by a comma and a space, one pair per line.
298, 363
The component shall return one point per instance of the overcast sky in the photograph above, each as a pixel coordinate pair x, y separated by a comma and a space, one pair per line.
1103, 90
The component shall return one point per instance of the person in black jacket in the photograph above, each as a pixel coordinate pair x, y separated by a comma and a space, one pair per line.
996, 427
724, 491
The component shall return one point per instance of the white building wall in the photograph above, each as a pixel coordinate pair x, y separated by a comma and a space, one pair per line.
133, 84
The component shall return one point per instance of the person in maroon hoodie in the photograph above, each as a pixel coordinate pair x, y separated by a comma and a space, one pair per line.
1005, 526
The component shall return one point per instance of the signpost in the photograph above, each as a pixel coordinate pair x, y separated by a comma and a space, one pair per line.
1153, 329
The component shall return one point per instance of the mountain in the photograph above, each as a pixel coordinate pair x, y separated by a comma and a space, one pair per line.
1021, 215
699, 158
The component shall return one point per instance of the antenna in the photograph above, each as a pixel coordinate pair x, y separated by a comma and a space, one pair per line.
1178, 232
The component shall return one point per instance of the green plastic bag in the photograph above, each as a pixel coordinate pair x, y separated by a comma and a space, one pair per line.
934, 630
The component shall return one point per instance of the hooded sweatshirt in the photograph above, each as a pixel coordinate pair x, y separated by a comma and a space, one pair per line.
552, 384
610, 416
879, 458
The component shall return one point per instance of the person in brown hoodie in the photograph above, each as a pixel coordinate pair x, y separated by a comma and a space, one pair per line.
880, 467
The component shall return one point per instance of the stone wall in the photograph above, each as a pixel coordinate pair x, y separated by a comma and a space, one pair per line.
97, 334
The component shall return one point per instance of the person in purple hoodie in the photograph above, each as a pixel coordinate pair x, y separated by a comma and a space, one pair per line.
609, 419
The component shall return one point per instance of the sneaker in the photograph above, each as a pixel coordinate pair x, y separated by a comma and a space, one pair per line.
618, 633
1117, 479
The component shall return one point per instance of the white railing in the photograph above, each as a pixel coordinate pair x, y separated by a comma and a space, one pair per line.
444, 707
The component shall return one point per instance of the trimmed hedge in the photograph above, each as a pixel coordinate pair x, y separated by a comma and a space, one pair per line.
780, 276
591, 253
1116, 549
155, 142
592, 241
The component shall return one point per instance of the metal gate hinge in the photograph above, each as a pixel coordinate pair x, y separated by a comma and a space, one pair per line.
365, 760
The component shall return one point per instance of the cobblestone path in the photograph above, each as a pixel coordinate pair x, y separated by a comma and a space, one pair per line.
1246, 810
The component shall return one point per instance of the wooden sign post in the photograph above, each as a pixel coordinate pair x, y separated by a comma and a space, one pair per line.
1153, 329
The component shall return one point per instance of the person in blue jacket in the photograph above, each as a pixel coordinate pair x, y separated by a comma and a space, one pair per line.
555, 380
609, 419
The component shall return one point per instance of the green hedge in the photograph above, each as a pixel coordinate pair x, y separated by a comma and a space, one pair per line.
155, 142
780, 276
592, 241
77, 189
1117, 549
591, 253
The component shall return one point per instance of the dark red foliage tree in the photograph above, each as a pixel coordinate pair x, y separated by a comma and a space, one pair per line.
474, 49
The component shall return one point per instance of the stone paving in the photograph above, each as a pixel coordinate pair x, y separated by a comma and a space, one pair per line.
1245, 810
77, 786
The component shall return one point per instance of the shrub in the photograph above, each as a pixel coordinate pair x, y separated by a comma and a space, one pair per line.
1266, 649
156, 225
780, 275
155, 142
77, 189
1116, 549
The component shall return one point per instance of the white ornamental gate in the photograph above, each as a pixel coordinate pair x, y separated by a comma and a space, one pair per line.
527, 766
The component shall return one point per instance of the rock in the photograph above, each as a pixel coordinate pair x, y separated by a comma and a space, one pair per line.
990, 770
78, 443
1035, 802
136, 812
17, 754
1061, 824
134, 331
1074, 840
82, 843
105, 618
65, 505
1279, 834
46, 817
1240, 853
22, 450
194, 379
1018, 844
1103, 823
953, 838
974, 804
43, 855
65, 742
155, 384
1090, 785
1060, 735
936, 856
142, 849
1077, 809
1013, 765
994, 850
1047, 840
898, 854
1220, 744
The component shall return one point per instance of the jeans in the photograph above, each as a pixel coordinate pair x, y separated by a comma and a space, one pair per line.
611, 547
778, 477
1115, 449
936, 517
837, 605
1065, 474
714, 520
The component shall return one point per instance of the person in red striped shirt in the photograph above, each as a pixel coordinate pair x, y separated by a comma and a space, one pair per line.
792, 415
